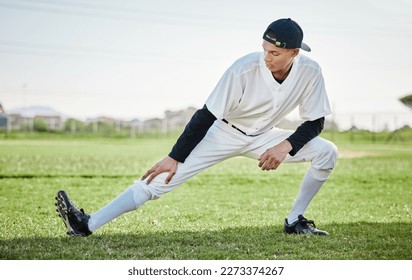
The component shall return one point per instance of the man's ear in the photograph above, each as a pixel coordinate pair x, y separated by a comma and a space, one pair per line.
295, 52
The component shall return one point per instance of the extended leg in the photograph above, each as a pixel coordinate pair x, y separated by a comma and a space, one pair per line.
211, 150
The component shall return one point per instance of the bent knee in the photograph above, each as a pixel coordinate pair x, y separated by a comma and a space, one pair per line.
327, 156
332, 152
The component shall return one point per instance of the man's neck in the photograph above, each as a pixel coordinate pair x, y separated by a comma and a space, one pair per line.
281, 75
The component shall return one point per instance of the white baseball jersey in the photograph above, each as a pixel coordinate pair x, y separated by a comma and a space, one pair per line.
250, 98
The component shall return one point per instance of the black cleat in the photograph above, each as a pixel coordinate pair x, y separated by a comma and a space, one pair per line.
303, 226
75, 220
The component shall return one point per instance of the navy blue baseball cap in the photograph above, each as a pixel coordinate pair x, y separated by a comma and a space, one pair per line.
285, 33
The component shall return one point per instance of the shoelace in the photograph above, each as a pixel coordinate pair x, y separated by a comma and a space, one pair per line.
78, 213
309, 222
75, 210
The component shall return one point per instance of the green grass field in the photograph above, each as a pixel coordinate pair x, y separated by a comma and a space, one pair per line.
232, 211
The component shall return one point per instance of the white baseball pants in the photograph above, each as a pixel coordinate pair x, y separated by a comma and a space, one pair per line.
223, 142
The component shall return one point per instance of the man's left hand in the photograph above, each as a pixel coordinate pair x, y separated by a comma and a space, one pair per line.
273, 157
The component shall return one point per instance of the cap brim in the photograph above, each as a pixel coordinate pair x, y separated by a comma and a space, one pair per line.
305, 47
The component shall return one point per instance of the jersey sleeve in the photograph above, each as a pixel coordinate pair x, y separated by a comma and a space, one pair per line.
316, 103
304, 133
193, 133
226, 95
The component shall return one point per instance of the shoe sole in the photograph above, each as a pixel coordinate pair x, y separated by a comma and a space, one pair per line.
62, 202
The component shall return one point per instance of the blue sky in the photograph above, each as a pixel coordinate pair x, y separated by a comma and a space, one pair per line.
130, 59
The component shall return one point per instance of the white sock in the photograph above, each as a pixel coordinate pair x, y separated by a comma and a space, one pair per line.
132, 198
308, 189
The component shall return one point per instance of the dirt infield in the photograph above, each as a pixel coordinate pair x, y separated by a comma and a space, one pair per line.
355, 154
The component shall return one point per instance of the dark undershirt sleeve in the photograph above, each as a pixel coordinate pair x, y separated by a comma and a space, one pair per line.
193, 133
304, 133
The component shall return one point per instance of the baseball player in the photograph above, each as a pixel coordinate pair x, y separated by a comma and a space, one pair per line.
239, 118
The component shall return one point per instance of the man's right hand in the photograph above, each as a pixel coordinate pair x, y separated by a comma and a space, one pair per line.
167, 164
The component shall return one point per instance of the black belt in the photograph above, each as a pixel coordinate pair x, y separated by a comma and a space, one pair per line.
238, 129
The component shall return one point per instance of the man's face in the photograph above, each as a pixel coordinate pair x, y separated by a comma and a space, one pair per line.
278, 59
